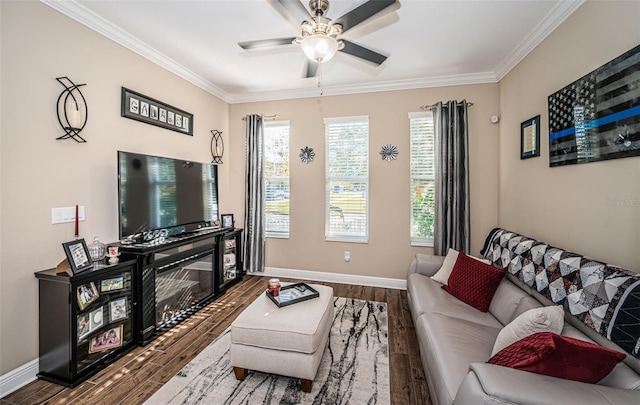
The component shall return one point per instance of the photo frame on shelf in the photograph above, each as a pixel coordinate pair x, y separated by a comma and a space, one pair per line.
530, 138
112, 284
227, 220
77, 255
145, 109
118, 309
106, 340
96, 319
86, 294
83, 326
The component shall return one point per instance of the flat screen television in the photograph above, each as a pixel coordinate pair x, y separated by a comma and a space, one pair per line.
157, 193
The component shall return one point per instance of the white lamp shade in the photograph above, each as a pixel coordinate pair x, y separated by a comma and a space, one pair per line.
319, 48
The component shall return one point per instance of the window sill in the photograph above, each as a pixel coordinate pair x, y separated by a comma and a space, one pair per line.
422, 244
276, 236
345, 240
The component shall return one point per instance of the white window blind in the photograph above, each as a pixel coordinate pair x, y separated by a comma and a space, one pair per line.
276, 178
422, 172
347, 179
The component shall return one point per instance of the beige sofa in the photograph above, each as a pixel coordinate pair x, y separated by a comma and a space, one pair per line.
456, 340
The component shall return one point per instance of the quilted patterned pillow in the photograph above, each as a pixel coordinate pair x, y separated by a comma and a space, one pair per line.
474, 282
559, 356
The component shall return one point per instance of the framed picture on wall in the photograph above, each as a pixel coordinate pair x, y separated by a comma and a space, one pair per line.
530, 138
151, 111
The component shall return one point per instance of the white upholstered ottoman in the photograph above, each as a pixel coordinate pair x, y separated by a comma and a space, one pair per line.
287, 341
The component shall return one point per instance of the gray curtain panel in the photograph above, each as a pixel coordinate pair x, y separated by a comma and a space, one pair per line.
253, 204
451, 228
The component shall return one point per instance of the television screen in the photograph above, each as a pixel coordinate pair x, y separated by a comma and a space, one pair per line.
162, 193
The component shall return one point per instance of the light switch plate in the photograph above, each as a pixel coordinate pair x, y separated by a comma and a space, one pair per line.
63, 215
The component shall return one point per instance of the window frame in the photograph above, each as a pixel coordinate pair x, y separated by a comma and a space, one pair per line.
329, 236
418, 240
278, 234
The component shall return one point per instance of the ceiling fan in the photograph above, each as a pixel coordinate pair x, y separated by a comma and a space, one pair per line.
319, 37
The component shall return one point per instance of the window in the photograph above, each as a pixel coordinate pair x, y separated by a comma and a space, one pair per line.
276, 178
347, 179
422, 167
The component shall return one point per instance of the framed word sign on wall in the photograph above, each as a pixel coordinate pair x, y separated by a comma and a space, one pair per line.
146, 109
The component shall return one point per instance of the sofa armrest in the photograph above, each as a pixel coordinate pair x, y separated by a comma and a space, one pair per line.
425, 264
492, 384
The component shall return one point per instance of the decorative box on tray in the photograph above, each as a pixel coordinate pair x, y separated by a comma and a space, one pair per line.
292, 294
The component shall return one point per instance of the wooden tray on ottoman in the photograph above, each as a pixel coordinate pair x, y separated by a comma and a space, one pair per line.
292, 294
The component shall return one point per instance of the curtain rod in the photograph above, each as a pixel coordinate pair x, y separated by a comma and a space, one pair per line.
266, 117
428, 107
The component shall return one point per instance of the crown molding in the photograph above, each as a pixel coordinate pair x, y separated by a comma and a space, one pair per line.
409, 84
560, 12
84, 16
81, 14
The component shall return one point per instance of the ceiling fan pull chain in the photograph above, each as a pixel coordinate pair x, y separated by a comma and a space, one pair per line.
320, 80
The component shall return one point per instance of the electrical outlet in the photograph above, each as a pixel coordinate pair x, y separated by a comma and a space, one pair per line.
347, 256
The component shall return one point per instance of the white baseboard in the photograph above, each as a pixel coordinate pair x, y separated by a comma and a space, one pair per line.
19, 377
394, 283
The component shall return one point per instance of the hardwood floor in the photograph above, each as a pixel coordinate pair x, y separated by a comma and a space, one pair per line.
137, 375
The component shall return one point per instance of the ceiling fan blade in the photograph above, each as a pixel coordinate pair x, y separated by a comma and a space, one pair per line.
361, 13
296, 10
362, 52
310, 68
263, 43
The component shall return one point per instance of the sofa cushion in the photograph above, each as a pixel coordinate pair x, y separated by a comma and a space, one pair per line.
524, 305
443, 274
546, 319
622, 376
427, 296
559, 356
451, 344
474, 282
505, 301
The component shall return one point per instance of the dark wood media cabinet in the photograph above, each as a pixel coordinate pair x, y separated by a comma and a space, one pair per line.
154, 287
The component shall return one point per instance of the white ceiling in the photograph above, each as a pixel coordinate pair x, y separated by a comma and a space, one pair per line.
429, 43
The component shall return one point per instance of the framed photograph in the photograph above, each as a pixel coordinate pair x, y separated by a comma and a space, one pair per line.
227, 220
96, 319
112, 284
83, 326
87, 293
77, 255
107, 340
151, 111
530, 138
118, 309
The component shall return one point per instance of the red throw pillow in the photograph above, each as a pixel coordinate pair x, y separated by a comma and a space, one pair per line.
559, 356
474, 282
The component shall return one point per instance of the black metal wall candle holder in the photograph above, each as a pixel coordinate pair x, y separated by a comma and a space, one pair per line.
217, 146
72, 110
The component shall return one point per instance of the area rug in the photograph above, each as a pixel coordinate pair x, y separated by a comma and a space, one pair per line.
354, 368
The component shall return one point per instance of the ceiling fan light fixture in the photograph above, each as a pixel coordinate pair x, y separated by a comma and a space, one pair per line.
320, 48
